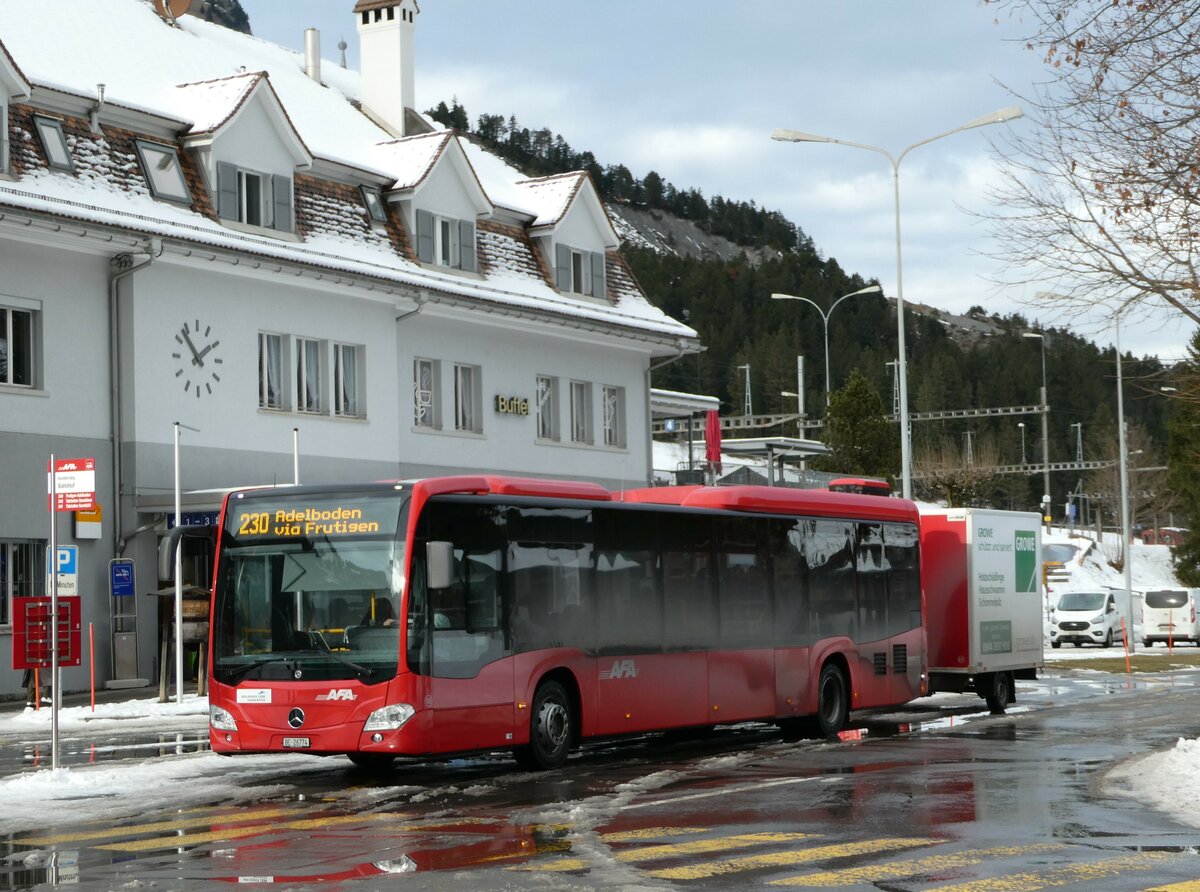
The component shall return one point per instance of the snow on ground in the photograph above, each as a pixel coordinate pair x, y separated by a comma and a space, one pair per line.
1168, 780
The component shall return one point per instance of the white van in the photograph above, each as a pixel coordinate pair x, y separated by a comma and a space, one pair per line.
1170, 615
1085, 618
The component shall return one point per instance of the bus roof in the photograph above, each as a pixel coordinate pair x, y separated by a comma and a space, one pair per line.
777, 500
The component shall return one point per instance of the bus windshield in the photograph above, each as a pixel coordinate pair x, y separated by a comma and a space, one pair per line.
308, 587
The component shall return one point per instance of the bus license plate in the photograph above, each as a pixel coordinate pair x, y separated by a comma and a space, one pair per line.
297, 743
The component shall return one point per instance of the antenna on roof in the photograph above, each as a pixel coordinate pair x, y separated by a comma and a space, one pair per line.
342, 49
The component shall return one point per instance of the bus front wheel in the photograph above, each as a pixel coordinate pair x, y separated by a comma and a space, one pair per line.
833, 701
551, 729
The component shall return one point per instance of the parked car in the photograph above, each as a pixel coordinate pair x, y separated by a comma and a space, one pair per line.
1170, 615
1085, 618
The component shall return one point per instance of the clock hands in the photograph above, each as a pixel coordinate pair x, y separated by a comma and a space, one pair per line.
196, 355
203, 353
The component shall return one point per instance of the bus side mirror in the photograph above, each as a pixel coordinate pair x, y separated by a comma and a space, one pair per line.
439, 564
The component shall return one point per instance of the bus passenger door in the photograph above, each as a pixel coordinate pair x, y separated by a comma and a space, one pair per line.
471, 682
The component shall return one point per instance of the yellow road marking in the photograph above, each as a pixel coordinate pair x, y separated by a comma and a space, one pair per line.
914, 866
654, 853
193, 839
790, 857
651, 833
1062, 876
720, 844
156, 827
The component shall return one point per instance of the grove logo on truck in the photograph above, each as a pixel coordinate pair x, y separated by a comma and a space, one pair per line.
1025, 560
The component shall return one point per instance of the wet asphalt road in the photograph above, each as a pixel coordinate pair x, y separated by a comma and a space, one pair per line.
931, 796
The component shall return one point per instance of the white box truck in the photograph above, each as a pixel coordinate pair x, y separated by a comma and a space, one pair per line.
981, 572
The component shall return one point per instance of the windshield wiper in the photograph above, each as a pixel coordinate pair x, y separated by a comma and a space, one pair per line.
233, 676
363, 672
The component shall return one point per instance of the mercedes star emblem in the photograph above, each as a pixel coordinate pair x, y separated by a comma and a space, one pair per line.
296, 717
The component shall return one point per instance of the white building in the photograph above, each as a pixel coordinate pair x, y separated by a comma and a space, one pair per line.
200, 227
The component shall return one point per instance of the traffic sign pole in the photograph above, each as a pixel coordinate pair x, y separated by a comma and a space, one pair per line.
54, 679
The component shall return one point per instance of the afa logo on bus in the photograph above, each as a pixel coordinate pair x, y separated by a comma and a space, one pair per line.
620, 669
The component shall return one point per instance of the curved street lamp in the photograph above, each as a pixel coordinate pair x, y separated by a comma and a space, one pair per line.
784, 135
870, 289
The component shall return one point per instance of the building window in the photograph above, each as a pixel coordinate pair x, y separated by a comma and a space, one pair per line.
547, 407
579, 272
425, 393
467, 398
444, 241
347, 380
581, 412
163, 173
22, 574
308, 375
255, 199
16, 346
270, 371
54, 142
374, 202
614, 416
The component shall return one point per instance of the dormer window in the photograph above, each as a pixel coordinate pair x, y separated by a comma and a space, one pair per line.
579, 272
54, 143
374, 202
163, 172
254, 198
445, 241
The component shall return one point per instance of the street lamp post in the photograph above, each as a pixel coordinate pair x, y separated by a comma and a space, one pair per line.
870, 289
784, 135
1126, 546
1045, 418
1021, 425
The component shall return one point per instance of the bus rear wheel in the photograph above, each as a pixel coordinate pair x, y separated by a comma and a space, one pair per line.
833, 702
551, 729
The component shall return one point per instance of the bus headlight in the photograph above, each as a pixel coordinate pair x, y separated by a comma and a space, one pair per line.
220, 719
389, 718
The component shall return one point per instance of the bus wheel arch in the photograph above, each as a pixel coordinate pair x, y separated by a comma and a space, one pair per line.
554, 722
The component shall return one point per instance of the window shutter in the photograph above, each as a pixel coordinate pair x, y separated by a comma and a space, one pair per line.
281, 192
227, 191
466, 245
425, 236
598, 284
3, 138
562, 267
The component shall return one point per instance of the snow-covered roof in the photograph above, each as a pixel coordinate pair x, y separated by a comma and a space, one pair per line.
193, 79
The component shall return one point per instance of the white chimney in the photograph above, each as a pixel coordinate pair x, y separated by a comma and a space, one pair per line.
385, 35
312, 54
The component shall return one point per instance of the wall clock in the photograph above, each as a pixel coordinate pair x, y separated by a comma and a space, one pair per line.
197, 365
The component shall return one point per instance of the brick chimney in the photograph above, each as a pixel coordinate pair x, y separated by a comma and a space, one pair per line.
385, 35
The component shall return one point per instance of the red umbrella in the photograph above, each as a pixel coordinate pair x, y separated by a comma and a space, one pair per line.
712, 441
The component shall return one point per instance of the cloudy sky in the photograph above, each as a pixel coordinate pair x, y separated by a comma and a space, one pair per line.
693, 90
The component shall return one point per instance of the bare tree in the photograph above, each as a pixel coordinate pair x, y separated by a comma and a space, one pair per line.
1149, 493
944, 470
1102, 197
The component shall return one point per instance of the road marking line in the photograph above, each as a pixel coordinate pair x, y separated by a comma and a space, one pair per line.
156, 827
193, 839
914, 866
720, 844
1062, 876
729, 791
654, 853
651, 833
790, 857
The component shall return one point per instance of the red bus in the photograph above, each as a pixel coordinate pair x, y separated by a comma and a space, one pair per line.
463, 614
865, 485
